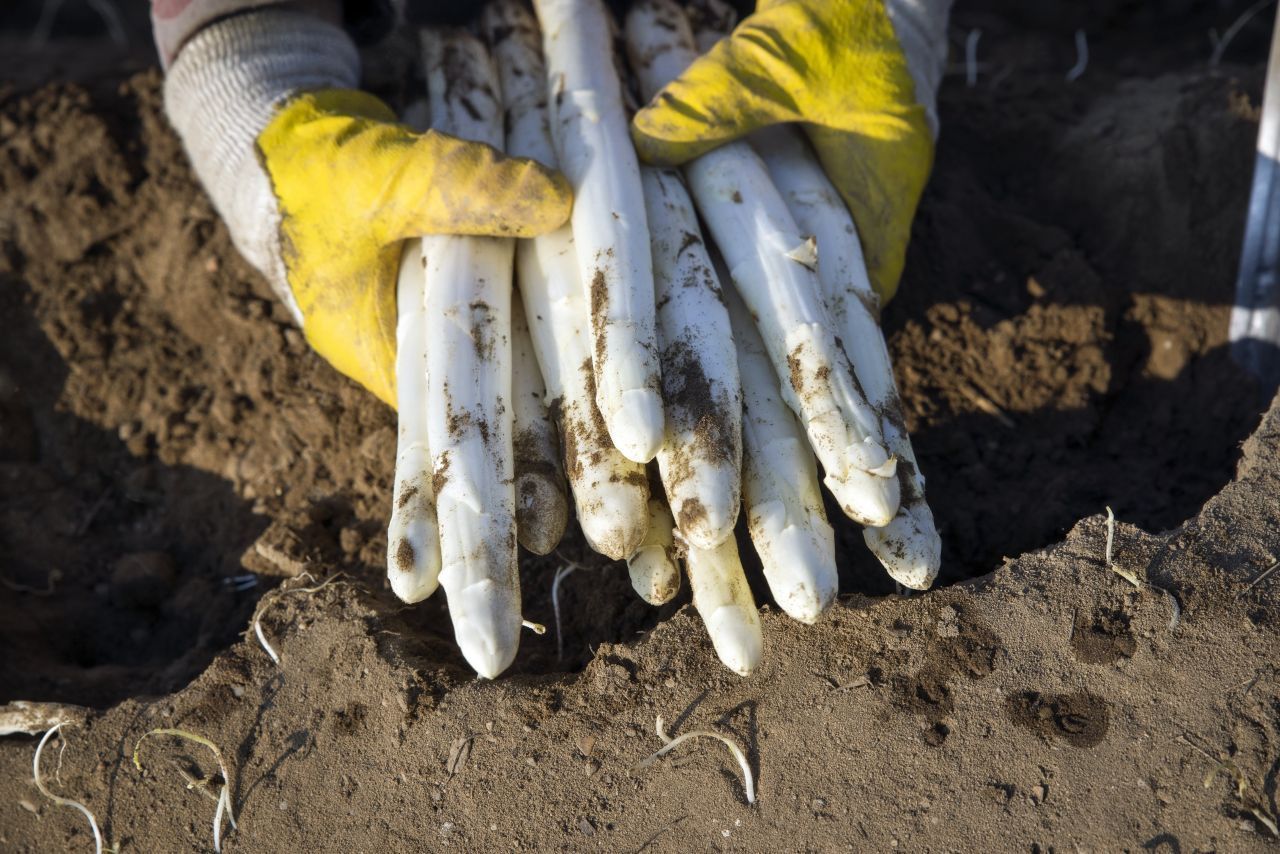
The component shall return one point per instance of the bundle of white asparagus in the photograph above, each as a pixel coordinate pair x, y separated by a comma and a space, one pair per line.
632, 339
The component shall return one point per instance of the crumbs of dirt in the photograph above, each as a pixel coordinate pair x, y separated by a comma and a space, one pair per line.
1060, 346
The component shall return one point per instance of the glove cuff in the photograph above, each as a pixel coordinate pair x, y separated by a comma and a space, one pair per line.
223, 90
921, 28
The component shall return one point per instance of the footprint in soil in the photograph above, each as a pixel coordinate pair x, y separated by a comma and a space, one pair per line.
1104, 638
958, 648
1080, 719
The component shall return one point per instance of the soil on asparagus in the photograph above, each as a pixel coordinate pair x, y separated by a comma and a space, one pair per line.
1060, 345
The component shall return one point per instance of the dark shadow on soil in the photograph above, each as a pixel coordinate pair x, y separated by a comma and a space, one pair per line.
114, 565
1154, 451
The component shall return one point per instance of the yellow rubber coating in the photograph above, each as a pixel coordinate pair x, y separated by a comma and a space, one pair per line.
836, 67
351, 184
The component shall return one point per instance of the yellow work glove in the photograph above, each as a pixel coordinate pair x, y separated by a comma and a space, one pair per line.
837, 67
351, 184
319, 185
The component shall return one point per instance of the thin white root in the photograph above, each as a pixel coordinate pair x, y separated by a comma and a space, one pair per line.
266, 601
562, 572
1111, 535
224, 796
971, 57
655, 575
1175, 608
536, 628
1082, 57
106, 11
58, 799
28, 718
670, 744
1220, 44
1261, 577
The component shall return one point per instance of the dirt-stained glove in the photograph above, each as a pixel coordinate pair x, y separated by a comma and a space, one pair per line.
861, 75
319, 185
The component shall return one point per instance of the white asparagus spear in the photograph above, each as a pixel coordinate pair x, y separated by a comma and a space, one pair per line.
542, 507
780, 484
655, 576
611, 492
591, 133
723, 600
771, 265
909, 546
413, 540
702, 455
468, 322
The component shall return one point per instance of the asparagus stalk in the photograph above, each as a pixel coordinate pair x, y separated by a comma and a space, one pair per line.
909, 546
780, 484
772, 267
702, 455
542, 508
468, 324
723, 600
655, 576
590, 130
611, 492
413, 540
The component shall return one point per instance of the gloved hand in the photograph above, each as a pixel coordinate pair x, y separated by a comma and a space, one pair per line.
861, 77
760, 202
319, 185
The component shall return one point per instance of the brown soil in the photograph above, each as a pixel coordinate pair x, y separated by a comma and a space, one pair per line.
1060, 347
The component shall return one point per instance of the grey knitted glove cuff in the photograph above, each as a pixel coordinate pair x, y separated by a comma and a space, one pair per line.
222, 91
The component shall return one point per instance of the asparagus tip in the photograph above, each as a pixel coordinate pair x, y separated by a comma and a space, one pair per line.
710, 522
801, 569
866, 498
637, 425
618, 529
654, 577
486, 623
736, 636
909, 547
542, 512
413, 553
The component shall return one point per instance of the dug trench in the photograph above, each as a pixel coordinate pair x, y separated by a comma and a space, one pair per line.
1059, 341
